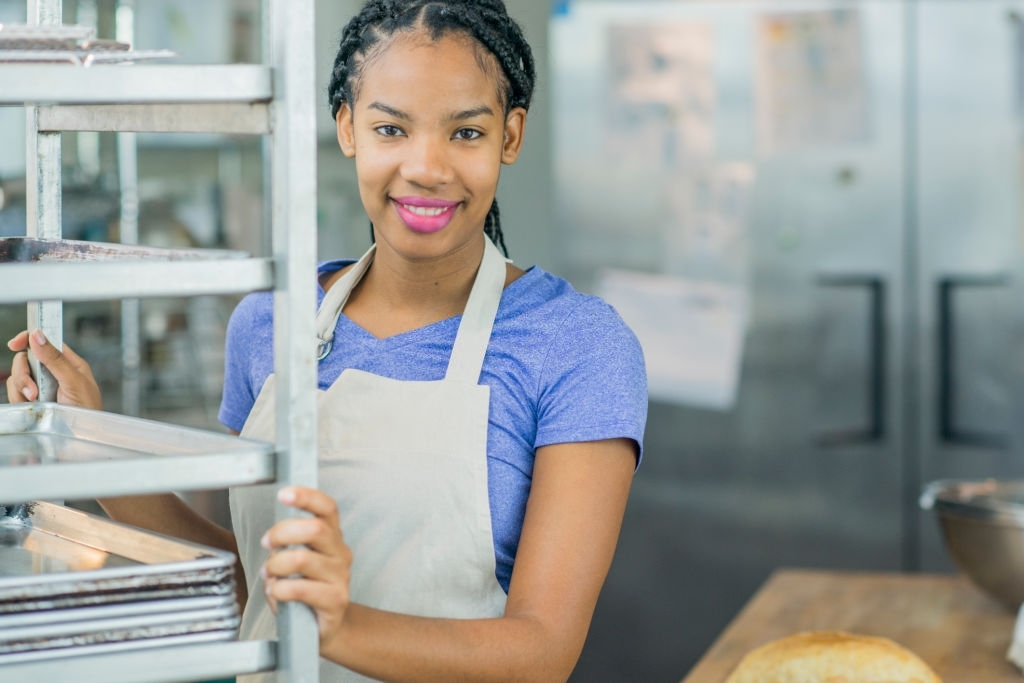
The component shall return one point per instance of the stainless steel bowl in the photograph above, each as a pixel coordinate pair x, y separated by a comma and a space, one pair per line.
982, 523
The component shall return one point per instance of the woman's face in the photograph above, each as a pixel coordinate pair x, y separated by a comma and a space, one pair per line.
429, 135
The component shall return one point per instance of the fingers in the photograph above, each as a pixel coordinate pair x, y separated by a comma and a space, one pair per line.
51, 357
76, 384
20, 341
315, 502
20, 387
320, 596
317, 533
306, 563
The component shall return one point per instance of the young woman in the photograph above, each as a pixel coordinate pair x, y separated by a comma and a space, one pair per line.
479, 425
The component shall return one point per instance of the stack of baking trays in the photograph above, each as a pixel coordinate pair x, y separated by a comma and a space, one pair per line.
74, 584
66, 43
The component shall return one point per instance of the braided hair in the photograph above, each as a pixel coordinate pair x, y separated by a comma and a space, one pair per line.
497, 36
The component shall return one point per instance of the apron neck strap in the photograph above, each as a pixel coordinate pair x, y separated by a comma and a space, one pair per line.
467, 359
478, 319
334, 301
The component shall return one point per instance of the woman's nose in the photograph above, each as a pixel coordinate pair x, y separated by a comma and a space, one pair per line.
427, 163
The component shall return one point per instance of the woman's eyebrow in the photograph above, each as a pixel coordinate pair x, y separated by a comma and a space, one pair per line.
391, 111
482, 110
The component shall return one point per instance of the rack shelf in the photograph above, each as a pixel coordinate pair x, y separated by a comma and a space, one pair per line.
22, 84
206, 661
276, 99
23, 282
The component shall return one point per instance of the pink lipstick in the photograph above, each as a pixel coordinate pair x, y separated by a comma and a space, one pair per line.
424, 215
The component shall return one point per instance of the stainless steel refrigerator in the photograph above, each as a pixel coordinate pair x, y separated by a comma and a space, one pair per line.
878, 257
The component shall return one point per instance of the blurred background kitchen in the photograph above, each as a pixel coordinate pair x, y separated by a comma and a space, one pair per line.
809, 211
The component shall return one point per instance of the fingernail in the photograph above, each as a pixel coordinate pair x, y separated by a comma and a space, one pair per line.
286, 495
265, 541
39, 337
26, 393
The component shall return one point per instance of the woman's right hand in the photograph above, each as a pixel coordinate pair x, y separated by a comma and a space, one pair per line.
76, 385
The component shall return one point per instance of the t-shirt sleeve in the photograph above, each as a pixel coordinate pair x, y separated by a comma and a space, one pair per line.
239, 395
594, 383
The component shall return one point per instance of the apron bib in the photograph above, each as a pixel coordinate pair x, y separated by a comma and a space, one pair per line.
406, 463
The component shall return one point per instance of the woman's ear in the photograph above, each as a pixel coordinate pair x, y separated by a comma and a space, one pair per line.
515, 127
346, 134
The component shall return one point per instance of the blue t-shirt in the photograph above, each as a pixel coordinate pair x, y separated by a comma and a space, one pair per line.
562, 367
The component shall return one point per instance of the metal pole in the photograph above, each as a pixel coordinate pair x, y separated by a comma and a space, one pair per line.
291, 26
128, 179
43, 206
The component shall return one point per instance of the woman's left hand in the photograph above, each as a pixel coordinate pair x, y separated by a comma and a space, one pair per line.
309, 561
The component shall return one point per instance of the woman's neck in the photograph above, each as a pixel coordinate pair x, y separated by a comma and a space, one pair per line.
397, 294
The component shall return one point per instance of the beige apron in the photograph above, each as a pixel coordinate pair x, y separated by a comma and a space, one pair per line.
407, 464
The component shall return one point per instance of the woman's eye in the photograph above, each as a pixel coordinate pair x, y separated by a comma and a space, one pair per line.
388, 130
467, 134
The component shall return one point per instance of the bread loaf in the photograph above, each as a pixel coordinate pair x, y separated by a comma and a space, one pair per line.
832, 657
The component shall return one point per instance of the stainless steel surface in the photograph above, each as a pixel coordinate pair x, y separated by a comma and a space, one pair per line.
293, 159
43, 216
235, 118
288, 28
121, 610
982, 525
94, 54
57, 635
56, 451
170, 660
60, 84
23, 282
26, 249
931, 195
58, 551
200, 586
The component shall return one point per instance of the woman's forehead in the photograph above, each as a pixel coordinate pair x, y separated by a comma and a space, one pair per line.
412, 64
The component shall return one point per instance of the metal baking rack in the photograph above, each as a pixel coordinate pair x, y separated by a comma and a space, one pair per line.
276, 99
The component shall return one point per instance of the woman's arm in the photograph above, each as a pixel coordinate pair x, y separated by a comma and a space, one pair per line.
164, 513
573, 517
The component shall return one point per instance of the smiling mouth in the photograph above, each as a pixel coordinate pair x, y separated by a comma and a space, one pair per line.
426, 211
424, 215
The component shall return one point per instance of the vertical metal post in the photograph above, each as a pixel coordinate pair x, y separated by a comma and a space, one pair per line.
131, 355
43, 206
913, 359
128, 179
291, 26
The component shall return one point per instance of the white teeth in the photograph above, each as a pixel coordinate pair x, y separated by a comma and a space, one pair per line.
426, 211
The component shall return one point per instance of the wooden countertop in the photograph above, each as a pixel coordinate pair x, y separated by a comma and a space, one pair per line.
959, 631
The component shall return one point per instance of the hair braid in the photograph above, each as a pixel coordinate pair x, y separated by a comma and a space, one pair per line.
486, 21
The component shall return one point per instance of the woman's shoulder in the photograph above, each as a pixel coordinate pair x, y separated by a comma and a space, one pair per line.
551, 301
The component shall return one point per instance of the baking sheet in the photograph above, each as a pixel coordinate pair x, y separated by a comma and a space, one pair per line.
122, 646
115, 635
48, 433
82, 57
29, 249
149, 608
56, 551
102, 630
115, 597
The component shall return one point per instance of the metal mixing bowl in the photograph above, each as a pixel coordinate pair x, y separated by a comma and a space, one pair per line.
983, 526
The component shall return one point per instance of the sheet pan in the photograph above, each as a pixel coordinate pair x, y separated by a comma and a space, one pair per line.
122, 646
53, 551
150, 608
117, 628
46, 433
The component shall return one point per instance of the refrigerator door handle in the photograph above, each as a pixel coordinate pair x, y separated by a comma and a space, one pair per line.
874, 431
949, 432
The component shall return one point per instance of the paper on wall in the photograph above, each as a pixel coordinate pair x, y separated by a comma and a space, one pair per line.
691, 333
661, 92
810, 75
